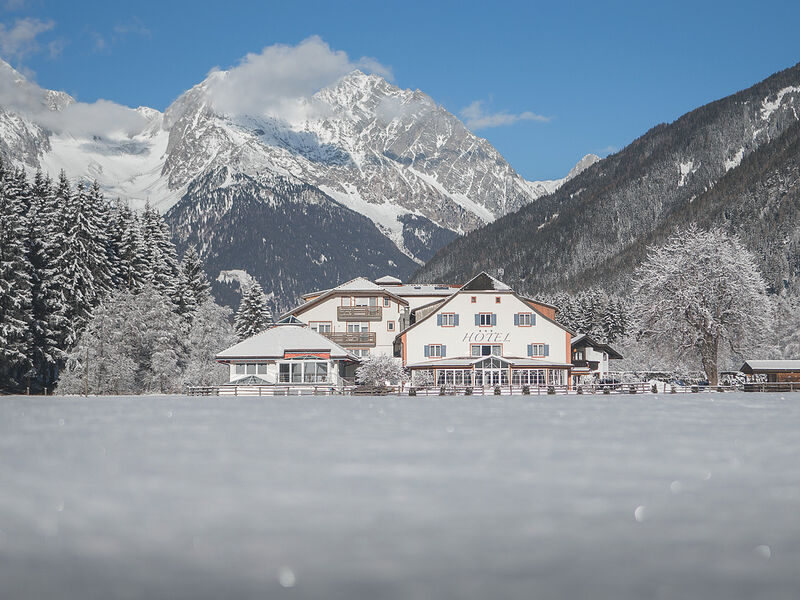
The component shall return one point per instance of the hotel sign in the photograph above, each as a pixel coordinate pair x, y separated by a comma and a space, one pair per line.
494, 337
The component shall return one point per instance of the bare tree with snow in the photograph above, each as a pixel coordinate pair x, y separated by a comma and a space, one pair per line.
379, 369
702, 294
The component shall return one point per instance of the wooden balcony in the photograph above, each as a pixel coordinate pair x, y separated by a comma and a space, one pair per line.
359, 313
352, 339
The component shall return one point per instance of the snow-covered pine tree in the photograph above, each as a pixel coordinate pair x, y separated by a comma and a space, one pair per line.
160, 254
102, 255
193, 286
46, 319
80, 293
15, 282
126, 237
253, 315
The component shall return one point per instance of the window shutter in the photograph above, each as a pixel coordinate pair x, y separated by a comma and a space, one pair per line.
427, 350
494, 319
516, 319
439, 319
530, 349
455, 320
547, 349
444, 350
477, 319
533, 319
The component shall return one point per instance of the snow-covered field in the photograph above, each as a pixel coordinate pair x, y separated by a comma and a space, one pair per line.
575, 497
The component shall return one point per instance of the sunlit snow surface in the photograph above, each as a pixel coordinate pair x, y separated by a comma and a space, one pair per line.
599, 497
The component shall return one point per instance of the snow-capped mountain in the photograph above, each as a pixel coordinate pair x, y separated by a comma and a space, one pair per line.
732, 163
361, 147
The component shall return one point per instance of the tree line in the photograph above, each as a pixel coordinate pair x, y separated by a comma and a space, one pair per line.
65, 251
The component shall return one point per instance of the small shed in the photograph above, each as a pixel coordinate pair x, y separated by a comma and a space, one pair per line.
773, 371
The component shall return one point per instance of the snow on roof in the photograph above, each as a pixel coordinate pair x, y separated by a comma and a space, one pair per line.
388, 280
770, 365
483, 282
359, 283
278, 339
423, 289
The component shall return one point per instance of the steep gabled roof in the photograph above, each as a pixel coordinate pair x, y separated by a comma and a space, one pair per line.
480, 280
359, 284
483, 282
583, 340
279, 339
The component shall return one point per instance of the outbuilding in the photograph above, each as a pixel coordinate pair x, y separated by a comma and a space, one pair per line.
288, 354
772, 371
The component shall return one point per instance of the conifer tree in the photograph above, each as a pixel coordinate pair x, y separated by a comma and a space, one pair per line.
80, 293
193, 286
46, 307
15, 284
253, 315
161, 258
129, 245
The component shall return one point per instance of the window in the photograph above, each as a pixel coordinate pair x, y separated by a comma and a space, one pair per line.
453, 377
386, 301
486, 349
357, 327
473, 299
389, 325
538, 350
359, 351
578, 355
497, 299
251, 368
447, 320
485, 319
345, 300
557, 377
320, 326
303, 371
240, 369
262, 368
524, 320
435, 350
535, 377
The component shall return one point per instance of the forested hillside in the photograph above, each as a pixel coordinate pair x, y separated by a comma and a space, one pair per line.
732, 162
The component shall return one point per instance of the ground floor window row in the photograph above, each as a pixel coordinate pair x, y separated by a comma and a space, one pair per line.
303, 371
496, 376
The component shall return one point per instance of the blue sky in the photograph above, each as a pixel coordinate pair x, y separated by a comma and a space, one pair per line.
600, 73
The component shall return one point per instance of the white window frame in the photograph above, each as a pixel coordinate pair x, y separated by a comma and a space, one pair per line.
537, 346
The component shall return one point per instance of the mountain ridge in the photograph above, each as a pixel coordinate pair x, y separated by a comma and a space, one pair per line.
569, 238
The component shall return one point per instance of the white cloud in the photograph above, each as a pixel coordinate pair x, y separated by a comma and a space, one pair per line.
102, 118
280, 80
477, 117
19, 40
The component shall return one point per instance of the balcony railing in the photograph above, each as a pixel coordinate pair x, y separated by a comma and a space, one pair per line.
359, 313
360, 339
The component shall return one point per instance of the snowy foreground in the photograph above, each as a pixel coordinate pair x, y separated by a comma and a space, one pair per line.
343, 498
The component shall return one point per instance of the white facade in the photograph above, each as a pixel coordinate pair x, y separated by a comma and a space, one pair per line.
486, 334
364, 316
495, 327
